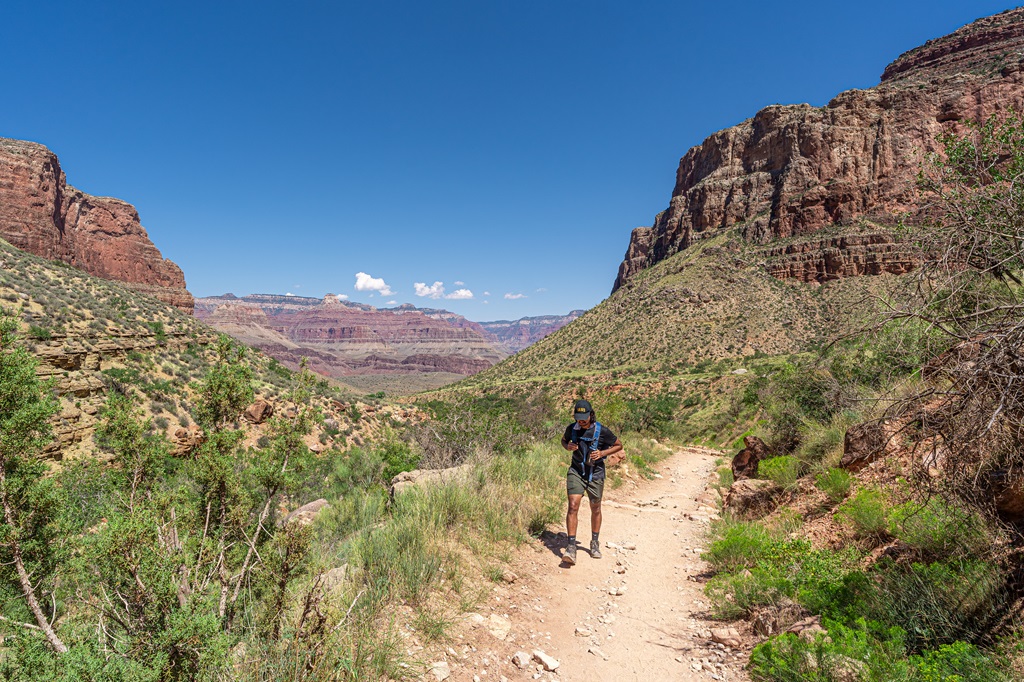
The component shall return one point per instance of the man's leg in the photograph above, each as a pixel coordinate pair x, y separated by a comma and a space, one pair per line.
571, 522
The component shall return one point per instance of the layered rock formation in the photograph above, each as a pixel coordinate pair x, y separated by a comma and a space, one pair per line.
515, 335
42, 214
342, 339
791, 171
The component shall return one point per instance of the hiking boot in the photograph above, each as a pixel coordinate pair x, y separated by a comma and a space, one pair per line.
569, 556
595, 549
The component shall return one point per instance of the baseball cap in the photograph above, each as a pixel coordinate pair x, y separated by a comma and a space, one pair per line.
581, 410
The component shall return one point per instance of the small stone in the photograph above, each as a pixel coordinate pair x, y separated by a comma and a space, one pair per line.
597, 652
549, 663
726, 636
583, 632
440, 670
521, 659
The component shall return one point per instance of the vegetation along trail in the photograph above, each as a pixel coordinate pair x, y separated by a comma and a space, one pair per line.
638, 613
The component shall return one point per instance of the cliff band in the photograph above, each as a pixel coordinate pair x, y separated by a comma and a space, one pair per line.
42, 214
791, 171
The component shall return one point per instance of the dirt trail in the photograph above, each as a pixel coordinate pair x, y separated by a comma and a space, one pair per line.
636, 614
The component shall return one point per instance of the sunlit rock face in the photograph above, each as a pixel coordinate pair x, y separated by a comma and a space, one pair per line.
791, 171
42, 214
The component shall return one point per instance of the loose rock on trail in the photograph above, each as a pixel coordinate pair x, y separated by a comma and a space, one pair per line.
638, 613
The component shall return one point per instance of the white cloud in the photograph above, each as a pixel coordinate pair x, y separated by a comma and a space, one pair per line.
487, 293
365, 282
458, 283
435, 290
297, 286
289, 294
541, 290
342, 297
513, 297
392, 302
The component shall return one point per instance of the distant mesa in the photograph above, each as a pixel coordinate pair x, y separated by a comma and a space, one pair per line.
791, 171
42, 214
345, 339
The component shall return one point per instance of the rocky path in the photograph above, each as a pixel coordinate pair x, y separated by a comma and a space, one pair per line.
639, 613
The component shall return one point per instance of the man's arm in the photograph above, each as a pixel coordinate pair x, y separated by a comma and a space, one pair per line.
601, 454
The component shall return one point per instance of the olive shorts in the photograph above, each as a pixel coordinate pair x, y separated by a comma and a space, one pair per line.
577, 485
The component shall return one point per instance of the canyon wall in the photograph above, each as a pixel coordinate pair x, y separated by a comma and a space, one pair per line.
791, 171
42, 214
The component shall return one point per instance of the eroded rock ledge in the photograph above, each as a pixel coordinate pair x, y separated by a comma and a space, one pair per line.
792, 170
42, 214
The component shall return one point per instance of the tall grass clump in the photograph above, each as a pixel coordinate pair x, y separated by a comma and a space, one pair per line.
785, 471
866, 513
835, 483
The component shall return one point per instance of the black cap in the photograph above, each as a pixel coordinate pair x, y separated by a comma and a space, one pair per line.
581, 410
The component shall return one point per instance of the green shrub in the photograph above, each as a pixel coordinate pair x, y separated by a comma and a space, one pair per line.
938, 529
847, 653
783, 470
734, 595
739, 545
835, 483
959, 662
866, 512
39, 333
938, 603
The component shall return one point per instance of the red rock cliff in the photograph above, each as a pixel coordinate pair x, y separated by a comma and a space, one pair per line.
792, 170
42, 214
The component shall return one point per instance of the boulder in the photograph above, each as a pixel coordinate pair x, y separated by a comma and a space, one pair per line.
306, 514
863, 444
419, 477
258, 412
744, 464
753, 498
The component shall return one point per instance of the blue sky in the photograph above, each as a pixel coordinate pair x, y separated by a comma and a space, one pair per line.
502, 149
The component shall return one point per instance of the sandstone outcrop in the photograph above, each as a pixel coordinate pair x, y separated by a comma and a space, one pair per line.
791, 171
42, 214
744, 464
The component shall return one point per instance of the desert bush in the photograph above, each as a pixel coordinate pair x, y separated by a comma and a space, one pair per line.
783, 470
938, 603
866, 512
465, 424
835, 483
738, 545
937, 528
734, 595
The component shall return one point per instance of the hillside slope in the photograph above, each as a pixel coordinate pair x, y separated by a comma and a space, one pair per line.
713, 301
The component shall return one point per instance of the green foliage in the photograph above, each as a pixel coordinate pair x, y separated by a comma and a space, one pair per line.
936, 528
738, 545
39, 333
938, 603
758, 568
847, 653
866, 512
868, 650
466, 424
835, 483
30, 542
783, 470
227, 388
653, 414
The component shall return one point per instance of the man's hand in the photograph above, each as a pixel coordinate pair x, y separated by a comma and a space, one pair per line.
572, 447
596, 455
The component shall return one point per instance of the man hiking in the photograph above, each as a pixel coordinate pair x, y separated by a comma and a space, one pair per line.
590, 442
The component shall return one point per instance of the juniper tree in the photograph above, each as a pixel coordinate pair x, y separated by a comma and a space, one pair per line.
27, 499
